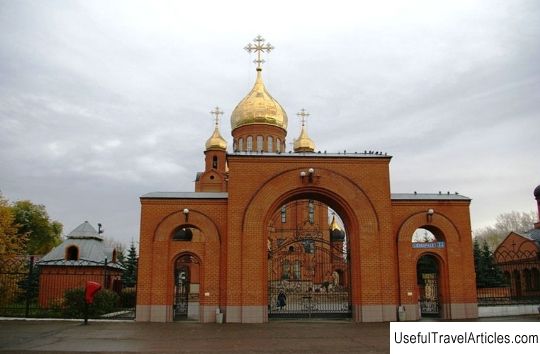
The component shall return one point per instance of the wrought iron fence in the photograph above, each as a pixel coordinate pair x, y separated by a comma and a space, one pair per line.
522, 280
28, 289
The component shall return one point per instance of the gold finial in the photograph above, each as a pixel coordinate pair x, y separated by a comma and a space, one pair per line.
216, 113
258, 47
304, 142
303, 115
216, 141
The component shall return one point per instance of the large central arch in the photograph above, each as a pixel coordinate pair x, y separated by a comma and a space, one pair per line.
362, 225
308, 262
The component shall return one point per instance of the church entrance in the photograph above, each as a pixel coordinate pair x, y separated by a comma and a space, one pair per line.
186, 274
308, 263
427, 272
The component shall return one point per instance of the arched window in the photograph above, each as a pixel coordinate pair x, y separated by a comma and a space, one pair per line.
214, 162
72, 253
249, 143
423, 235
270, 144
182, 233
278, 145
260, 146
240, 144
311, 212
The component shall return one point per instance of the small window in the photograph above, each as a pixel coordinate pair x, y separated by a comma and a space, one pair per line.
214, 162
283, 215
260, 146
249, 143
270, 144
297, 265
285, 270
311, 212
278, 145
183, 234
72, 253
241, 144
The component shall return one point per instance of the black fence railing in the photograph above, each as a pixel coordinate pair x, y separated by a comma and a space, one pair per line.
505, 296
28, 289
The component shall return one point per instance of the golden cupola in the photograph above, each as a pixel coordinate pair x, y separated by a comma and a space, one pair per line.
304, 142
216, 141
258, 122
259, 107
336, 233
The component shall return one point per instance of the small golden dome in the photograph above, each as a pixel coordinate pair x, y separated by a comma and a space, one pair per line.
216, 141
336, 233
259, 107
334, 225
304, 142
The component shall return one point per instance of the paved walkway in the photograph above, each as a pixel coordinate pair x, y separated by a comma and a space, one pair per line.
19, 336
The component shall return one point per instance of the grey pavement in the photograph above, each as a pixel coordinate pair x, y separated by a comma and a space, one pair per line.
20, 336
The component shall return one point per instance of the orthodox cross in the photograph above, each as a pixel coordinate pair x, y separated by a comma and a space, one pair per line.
216, 112
303, 115
258, 47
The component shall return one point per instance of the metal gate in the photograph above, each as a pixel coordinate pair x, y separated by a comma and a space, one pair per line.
308, 276
182, 285
429, 295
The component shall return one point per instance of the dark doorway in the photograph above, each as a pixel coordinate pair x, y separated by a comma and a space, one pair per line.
427, 275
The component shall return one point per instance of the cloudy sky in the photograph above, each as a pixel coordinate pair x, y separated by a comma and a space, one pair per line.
103, 101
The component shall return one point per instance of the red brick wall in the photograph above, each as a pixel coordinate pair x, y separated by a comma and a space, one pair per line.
234, 251
55, 280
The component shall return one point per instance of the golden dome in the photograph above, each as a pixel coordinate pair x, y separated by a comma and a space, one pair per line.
304, 142
216, 141
334, 225
259, 107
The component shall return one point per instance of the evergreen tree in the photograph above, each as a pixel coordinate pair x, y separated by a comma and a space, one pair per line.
488, 273
129, 277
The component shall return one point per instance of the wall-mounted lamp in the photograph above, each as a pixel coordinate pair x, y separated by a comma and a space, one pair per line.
186, 213
429, 215
309, 174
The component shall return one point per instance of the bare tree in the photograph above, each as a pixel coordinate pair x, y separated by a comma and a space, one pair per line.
505, 223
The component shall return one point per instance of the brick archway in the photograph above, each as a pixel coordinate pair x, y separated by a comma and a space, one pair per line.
156, 301
449, 262
340, 194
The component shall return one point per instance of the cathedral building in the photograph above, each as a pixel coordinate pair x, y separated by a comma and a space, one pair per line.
270, 233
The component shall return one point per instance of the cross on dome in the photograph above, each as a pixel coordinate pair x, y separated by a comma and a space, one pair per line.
303, 114
216, 113
258, 47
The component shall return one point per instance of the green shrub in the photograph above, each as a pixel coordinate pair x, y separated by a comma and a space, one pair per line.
128, 297
105, 301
